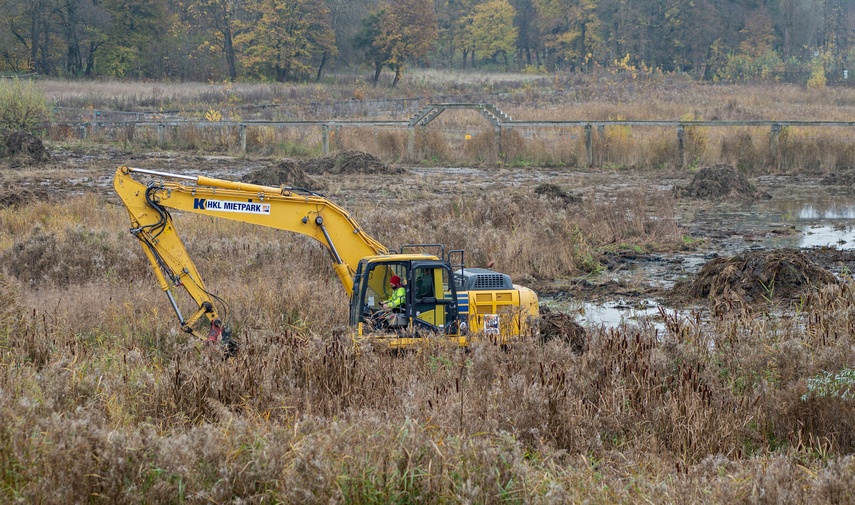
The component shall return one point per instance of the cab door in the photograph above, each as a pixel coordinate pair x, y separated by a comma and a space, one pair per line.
371, 287
432, 297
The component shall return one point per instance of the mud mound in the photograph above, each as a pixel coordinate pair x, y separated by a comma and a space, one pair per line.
285, 173
554, 192
350, 162
12, 195
719, 182
754, 278
840, 262
839, 179
559, 326
24, 146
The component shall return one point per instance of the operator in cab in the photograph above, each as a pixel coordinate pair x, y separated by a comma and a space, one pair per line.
399, 294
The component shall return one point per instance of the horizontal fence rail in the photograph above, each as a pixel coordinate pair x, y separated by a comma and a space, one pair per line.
497, 120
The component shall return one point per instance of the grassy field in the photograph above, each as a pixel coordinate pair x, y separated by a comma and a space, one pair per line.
103, 400
465, 138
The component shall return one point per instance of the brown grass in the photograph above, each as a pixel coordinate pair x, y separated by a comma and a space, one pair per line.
104, 401
547, 98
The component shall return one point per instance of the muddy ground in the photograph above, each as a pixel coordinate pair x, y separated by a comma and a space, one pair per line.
722, 218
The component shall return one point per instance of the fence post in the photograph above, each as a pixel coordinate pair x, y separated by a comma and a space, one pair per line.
242, 132
338, 142
160, 129
411, 143
589, 145
681, 145
325, 139
497, 139
773, 142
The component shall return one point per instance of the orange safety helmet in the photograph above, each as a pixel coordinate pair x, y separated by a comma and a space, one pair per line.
395, 281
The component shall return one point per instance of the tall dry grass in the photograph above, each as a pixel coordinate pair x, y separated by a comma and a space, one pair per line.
102, 400
546, 98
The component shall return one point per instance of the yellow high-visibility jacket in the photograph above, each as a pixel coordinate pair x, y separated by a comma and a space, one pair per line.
399, 296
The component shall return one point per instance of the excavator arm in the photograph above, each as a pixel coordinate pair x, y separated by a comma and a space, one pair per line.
290, 209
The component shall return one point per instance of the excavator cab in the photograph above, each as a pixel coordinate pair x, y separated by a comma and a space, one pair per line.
430, 305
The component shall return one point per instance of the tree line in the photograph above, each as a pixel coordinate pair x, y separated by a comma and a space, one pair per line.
294, 40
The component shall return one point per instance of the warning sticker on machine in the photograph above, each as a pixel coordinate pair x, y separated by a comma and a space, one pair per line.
491, 324
227, 206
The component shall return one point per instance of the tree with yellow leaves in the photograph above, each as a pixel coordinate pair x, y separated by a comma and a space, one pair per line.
570, 30
492, 31
406, 31
224, 17
286, 39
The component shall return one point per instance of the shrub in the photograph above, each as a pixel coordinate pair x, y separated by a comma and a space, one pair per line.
23, 107
741, 152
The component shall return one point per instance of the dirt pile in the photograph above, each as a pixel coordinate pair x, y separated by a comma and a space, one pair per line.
23, 148
719, 182
554, 192
559, 326
285, 173
13, 194
349, 162
839, 179
298, 173
18, 196
754, 278
839, 261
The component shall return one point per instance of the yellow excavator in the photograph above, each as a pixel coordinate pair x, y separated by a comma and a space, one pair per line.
442, 298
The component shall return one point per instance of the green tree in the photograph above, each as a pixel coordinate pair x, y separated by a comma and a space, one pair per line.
690, 28
367, 40
14, 44
83, 27
32, 32
342, 16
528, 42
287, 39
492, 31
136, 27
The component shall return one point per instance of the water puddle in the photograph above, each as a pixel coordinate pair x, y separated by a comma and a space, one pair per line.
610, 314
827, 236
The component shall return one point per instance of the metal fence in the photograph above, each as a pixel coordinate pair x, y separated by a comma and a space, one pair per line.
593, 131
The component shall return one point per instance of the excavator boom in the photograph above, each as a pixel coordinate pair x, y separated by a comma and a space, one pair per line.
283, 208
289, 209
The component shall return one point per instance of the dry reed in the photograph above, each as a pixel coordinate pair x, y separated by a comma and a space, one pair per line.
103, 400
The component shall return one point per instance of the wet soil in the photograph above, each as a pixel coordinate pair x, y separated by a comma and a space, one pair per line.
295, 173
839, 178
